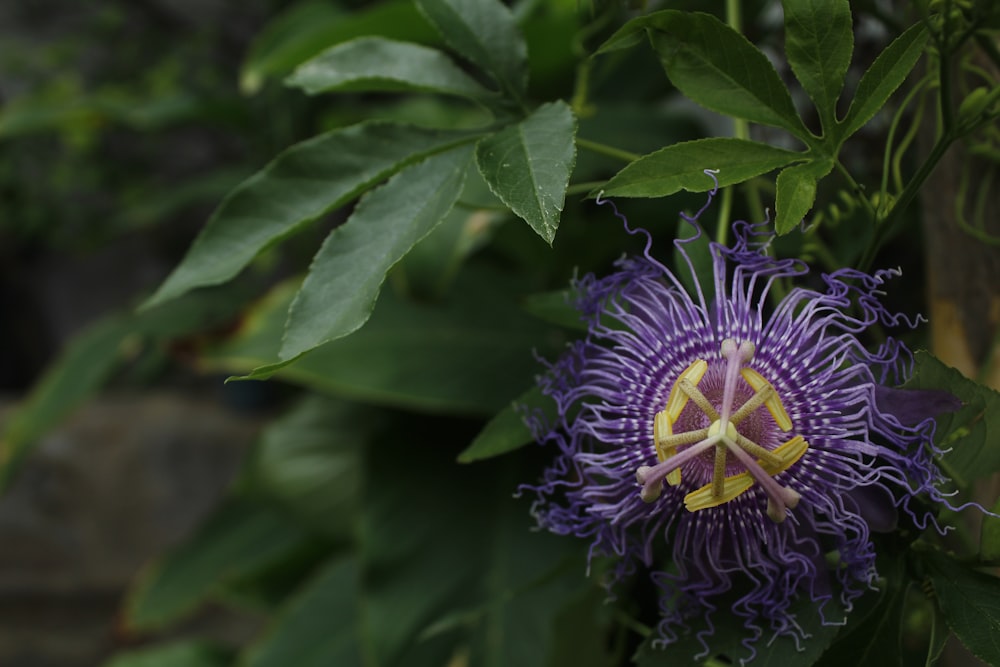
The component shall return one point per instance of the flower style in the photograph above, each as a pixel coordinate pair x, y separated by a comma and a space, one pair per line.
759, 443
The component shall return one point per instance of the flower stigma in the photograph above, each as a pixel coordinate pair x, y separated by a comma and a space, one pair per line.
693, 428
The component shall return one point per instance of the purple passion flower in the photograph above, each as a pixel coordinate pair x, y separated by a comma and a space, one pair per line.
761, 444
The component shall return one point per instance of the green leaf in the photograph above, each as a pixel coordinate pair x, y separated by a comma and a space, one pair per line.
346, 275
307, 28
469, 357
970, 602
871, 636
527, 165
970, 433
885, 75
530, 579
556, 307
796, 193
430, 268
819, 40
319, 627
989, 539
242, 537
507, 430
716, 67
484, 32
413, 578
310, 461
682, 167
302, 183
174, 654
375, 63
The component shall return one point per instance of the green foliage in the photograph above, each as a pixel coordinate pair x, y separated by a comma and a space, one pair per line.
344, 280
718, 68
682, 167
507, 430
819, 40
419, 356
969, 434
317, 627
376, 63
304, 182
715, 66
484, 32
243, 538
885, 75
970, 602
407, 303
527, 165
309, 27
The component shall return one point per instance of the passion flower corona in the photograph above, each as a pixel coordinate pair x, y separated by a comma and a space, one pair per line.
758, 439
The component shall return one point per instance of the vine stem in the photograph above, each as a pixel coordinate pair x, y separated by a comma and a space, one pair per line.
883, 230
604, 149
741, 130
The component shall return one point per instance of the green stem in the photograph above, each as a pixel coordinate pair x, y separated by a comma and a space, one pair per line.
741, 130
883, 231
604, 149
587, 186
856, 188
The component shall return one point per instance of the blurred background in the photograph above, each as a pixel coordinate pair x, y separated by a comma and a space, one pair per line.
122, 124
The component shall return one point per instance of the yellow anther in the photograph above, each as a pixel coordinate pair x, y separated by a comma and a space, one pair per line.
703, 498
773, 403
678, 399
661, 431
789, 453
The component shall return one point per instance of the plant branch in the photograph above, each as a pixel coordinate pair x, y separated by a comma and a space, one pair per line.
604, 149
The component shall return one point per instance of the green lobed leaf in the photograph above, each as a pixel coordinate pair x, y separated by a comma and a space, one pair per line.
307, 28
682, 167
716, 67
376, 63
302, 183
241, 537
819, 40
319, 626
507, 430
884, 76
175, 654
527, 165
484, 32
346, 275
970, 433
970, 602
796, 193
